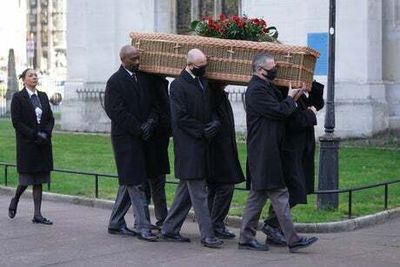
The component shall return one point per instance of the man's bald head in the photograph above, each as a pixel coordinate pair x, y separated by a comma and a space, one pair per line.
196, 62
197, 57
129, 56
127, 50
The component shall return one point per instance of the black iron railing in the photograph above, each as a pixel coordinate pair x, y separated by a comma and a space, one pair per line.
96, 177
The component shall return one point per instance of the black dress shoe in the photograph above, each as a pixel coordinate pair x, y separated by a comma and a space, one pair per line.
155, 228
274, 236
303, 242
12, 209
175, 238
160, 223
122, 231
224, 233
253, 245
42, 220
147, 236
212, 242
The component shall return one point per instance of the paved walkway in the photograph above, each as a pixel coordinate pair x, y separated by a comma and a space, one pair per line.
79, 238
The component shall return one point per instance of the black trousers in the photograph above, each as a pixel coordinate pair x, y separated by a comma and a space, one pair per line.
219, 202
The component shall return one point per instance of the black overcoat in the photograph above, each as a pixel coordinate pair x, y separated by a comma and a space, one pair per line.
32, 157
157, 147
266, 112
129, 104
190, 111
224, 160
299, 148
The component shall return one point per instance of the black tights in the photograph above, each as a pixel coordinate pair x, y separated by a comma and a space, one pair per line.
37, 197
19, 191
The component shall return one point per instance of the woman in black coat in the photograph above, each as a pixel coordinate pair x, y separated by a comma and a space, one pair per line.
33, 121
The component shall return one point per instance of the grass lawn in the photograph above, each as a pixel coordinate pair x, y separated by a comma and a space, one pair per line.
359, 165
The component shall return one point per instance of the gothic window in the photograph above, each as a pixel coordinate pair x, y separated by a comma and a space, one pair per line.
230, 7
206, 8
183, 15
188, 10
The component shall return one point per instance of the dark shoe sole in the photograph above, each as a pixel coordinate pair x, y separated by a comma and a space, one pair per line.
213, 245
296, 248
224, 236
147, 239
272, 242
116, 232
44, 222
176, 240
171, 239
252, 248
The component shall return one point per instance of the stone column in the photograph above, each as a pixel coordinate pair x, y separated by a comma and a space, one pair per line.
12, 82
96, 32
391, 59
361, 107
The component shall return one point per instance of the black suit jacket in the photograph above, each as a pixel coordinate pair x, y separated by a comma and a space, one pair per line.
190, 111
32, 157
129, 104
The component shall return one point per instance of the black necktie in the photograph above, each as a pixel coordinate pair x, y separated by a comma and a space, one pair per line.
35, 101
200, 83
134, 77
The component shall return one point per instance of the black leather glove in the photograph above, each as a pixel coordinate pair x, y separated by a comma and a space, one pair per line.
147, 129
42, 138
211, 129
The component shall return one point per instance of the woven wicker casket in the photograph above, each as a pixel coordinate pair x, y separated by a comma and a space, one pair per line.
228, 60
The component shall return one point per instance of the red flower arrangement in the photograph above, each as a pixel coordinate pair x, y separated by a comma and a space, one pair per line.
235, 27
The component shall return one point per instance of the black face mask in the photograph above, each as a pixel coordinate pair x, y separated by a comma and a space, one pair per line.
199, 72
271, 74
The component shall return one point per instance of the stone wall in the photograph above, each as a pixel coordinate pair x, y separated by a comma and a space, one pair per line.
96, 32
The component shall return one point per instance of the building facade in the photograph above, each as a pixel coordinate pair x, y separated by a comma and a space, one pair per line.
46, 36
367, 92
12, 34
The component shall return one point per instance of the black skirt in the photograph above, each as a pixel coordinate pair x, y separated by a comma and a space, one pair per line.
34, 178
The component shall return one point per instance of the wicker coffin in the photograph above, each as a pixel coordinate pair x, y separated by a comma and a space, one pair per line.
228, 60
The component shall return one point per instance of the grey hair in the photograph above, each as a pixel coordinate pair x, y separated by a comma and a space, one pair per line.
260, 59
193, 55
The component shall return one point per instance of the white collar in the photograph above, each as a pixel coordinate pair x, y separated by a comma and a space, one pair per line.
30, 92
191, 74
130, 72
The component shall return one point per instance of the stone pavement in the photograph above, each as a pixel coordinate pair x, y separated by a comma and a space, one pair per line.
79, 238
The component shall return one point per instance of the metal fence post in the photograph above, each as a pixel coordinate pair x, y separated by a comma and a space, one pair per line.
350, 202
96, 186
5, 175
386, 196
